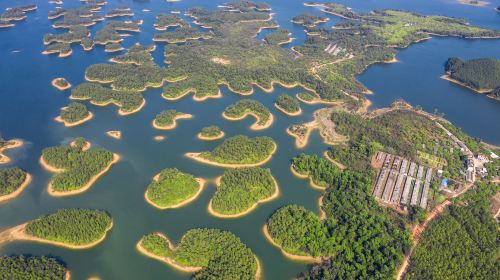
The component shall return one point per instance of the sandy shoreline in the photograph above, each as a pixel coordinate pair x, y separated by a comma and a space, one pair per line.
447, 77
255, 125
116, 134
311, 182
206, 138
248, 210
82, 189
169, 261
14, 143
201, 186
196, 156
195, 98
19, 190
18, 233
338, 164
307, 259
301, 142
54, 84
294, 114
77, 123
174, 123
125, 113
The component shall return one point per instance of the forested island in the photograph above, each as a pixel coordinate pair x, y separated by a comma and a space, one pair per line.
74, 114
137, 55
209, 253
279, 37
7, 145
181, 34
238, 151
77, 166
172, 188
210, 133
167, 119
240, 190
481, 75
244, 107
32, 267
288, 105
70, 228
309, 20
165, 21
13, 181
61, 84
113, 47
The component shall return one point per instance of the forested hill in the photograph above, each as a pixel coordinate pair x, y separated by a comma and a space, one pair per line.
480, 74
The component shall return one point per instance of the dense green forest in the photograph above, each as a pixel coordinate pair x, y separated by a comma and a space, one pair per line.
107, 35
79, 165
241, 149
118, 25
359, 239
137, 55
61, 82
221, 254
318, 169
211, 131
463, 243
245, 106
98, 94
59, 48
74, 112
241, 188
181, 35
167, 118
172, 187
164, 21
71, 226
31, 267
113, 47
75, 34
278, 37
288, 103
11, 179
481, 73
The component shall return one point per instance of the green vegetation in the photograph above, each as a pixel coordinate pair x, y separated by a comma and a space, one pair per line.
212, 131
137, 55
113, 47
308, 20
119, 12
62, 49
31, 267
172, 187
241, 188
107, 35
400, 132
480, 74
461, 244
80, 166
87, 43
339, 9
99, 95
278, 37
131, 26
306, 96
74, 112
288, 104
61, 82
359, 239
77, 17
71, 226
241, 149
164, 21
181, 35
10, 180
246, 106
75, 34
167, 118
17, 13
221, 254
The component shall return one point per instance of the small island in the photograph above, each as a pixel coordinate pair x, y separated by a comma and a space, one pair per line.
245, 107
13, 181
32, 267
167, 119
115, 134
113, 47
309, 20
74, 114
211, 133
62, 49
6, 145
288, 105
69, 228
238, 151
481, 75
209, 253
164, 21
172, 188
119, 12
61, 84
77, 167
241, 190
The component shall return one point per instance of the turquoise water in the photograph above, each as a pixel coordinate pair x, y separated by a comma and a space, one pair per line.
30, 103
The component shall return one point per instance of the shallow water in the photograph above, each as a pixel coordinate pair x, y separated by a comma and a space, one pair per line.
31, 103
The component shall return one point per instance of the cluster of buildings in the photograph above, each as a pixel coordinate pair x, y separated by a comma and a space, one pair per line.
402, 182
